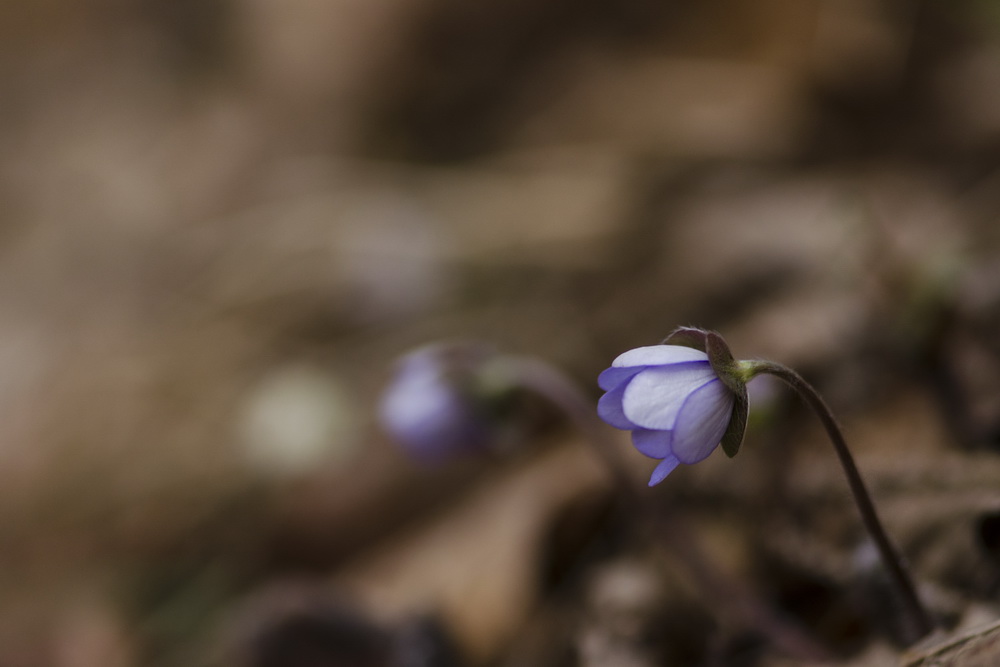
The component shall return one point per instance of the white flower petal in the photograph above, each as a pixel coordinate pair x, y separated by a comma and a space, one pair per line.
702, 421
658, 355
654, 397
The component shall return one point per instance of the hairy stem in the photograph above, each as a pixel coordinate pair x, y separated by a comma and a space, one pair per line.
920, 621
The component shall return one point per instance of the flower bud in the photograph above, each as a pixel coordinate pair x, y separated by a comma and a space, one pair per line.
442, 401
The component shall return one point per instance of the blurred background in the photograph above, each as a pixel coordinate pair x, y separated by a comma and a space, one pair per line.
223, 220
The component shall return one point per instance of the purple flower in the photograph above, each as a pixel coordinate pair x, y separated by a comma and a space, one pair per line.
434, 406
679, 401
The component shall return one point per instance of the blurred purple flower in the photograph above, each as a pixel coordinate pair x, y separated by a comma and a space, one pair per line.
435, 406
674, 402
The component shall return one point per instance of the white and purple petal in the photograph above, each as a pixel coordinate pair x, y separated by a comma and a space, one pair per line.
613, 377
658, 355
609, 408
654, 396
702, 421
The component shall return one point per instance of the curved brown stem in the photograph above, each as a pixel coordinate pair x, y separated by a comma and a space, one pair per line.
920, 621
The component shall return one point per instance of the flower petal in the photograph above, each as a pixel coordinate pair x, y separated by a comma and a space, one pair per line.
658, 355
654, 444
612, 377
609, 408
661, 471
702, 421
654, 396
